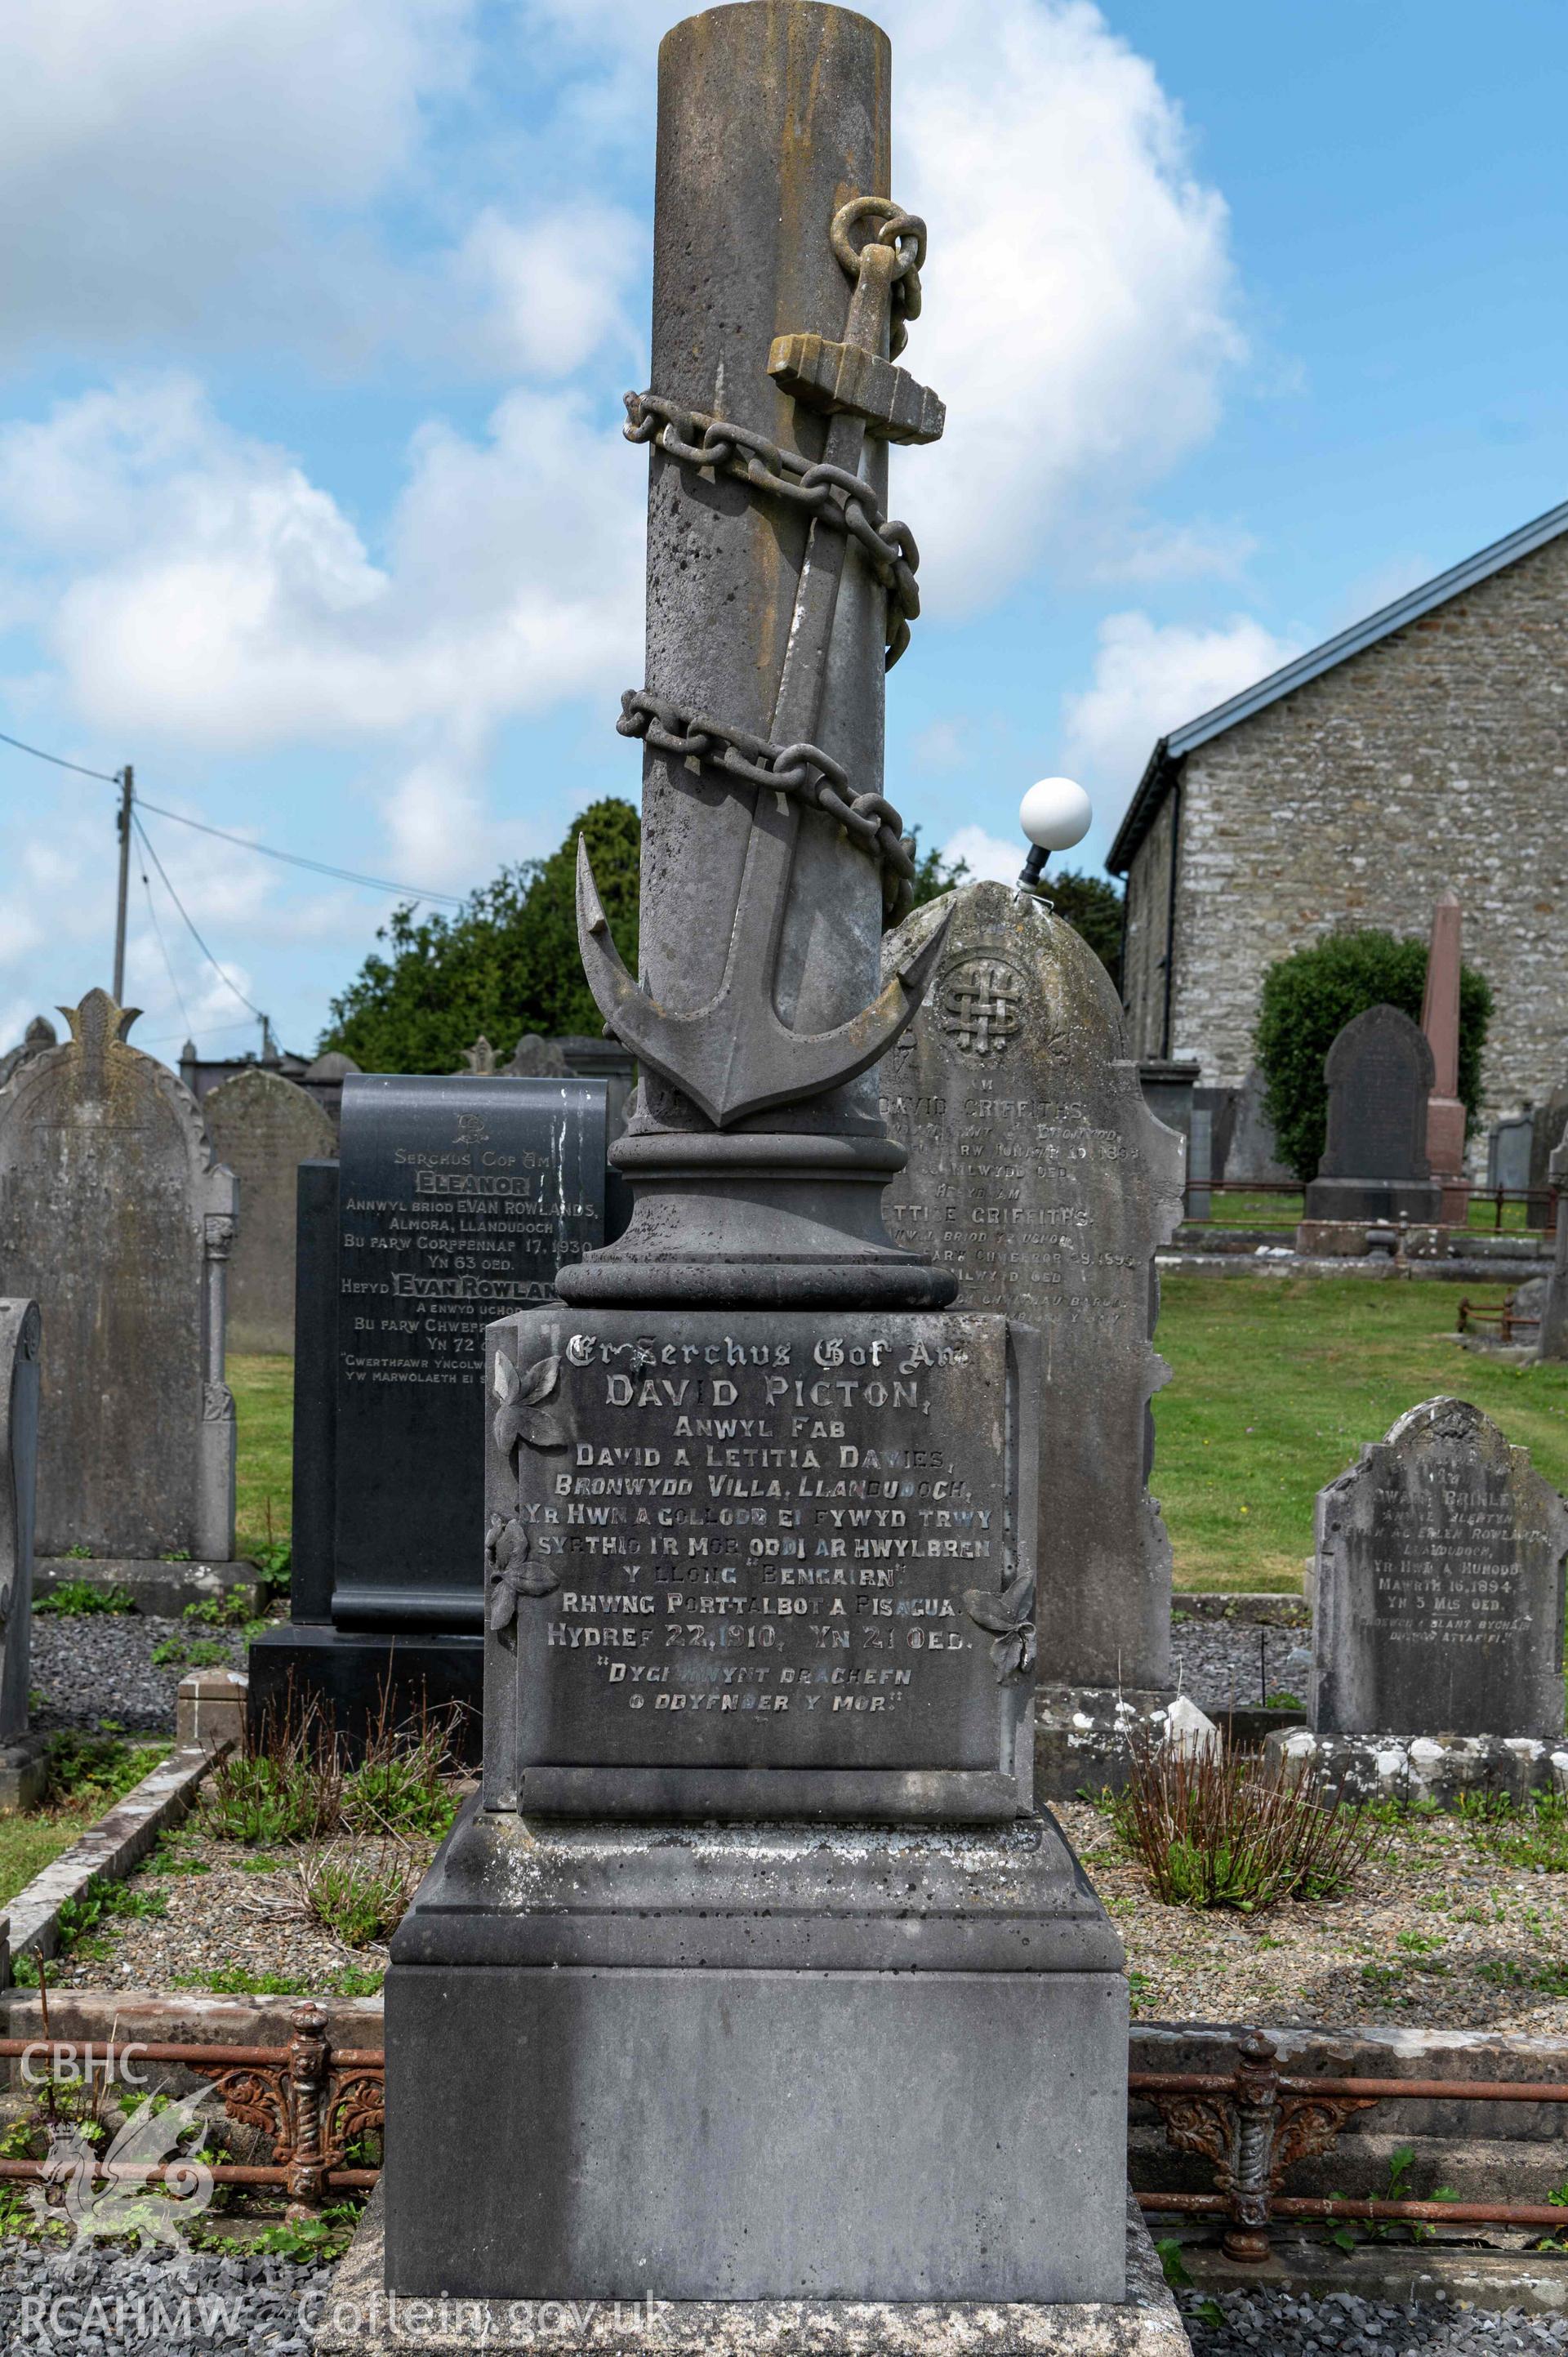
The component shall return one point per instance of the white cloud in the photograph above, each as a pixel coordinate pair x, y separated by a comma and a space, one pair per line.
1147, 553
550, 291
1149, 678
987, 856
188, 163
199, 587
1079, 315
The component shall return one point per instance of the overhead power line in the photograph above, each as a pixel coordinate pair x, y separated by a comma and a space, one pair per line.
227, 979
294, 859
40, 755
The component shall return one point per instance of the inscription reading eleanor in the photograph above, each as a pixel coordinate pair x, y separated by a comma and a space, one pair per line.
756, 1536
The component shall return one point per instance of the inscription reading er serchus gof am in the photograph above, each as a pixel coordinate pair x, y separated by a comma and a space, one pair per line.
775, 1543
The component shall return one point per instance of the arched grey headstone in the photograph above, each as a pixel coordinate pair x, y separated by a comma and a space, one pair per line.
1380, 1072
1038, 1175
1439, 1587
115, 1217
263, 1127
19, 1346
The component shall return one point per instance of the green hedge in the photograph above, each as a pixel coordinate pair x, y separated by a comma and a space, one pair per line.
1308, 998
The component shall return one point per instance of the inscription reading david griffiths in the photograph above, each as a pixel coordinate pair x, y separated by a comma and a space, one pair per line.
757, 1541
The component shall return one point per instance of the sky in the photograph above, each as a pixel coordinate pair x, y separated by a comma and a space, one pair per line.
314, 504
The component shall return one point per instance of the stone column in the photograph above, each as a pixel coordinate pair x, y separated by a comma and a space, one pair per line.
1440, 1021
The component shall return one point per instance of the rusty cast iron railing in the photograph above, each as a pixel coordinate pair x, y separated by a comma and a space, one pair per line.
313, 2099
1254, 2123
1475, 1316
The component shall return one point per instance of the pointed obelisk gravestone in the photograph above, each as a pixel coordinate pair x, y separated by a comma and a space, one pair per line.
116, 1218
263, 1127
1039, 1177
1380, 1073
1439, 1023
22, 1756
1438, 1611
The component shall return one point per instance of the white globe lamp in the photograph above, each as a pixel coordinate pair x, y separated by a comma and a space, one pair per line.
1055, 814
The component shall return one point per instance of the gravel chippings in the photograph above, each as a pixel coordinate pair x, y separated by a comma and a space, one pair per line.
1218, 1662
199, 2303
90, 1666
1281, 2324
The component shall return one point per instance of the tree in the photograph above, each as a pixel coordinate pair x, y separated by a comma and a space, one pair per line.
1092, 906
506, 963
933, 874
1308, 999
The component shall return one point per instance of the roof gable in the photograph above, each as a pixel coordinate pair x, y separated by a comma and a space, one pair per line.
1173, 748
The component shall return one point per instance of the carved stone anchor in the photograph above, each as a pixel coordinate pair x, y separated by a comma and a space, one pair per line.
735, 1056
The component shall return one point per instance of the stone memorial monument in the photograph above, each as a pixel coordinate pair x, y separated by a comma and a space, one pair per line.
1552, 1341
537, 1058
698, 1994
1508, 1152
453, 1198
40, 1034
1438, 1612
324, 1079
1040, 1178
116, 1218
23, 1761
1440, 1022
263, 1127
1380, 1072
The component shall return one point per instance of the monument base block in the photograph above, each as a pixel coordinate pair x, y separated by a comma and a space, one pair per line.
362, 2319
1083, 1735
24, 1772
760, 2062
359, 1681
1440, 1768
1420, 1200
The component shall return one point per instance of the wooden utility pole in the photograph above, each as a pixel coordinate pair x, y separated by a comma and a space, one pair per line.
127, 797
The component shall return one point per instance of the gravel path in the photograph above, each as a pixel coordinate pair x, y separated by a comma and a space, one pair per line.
90, 1666
1277, 2324
1222, 1661
200, 2304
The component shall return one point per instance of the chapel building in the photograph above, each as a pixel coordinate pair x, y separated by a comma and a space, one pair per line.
1427, 748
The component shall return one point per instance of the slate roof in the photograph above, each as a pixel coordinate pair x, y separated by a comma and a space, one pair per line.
1170, 751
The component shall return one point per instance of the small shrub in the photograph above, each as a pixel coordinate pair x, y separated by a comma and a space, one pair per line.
275, 1561
359, 1900
75, 1596
1214, 1831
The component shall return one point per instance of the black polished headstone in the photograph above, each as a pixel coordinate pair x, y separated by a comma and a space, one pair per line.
1380, 1073
454, 1200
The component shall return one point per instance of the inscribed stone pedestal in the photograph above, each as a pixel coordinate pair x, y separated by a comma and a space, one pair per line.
1438, 1603
116, 1218
263, 1127
1038, 1175
1374, 1165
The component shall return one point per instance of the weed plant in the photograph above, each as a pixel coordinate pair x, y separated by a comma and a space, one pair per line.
359, 1898
1214, 1831
78, 1596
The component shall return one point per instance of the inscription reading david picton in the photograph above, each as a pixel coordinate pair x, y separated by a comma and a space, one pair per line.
757, 1541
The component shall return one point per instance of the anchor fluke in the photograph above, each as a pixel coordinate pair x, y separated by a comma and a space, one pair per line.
732, 1058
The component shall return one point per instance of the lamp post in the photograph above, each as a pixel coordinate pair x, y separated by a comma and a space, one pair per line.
1055, 814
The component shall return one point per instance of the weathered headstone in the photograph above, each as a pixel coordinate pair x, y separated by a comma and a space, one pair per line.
1170, 1087
40, 1034
1374, 1165
761, 1509
1438, 1610
22, 1757
116, 1218
1554, 1335
453, 1200
1546, 1134
1038, 1176
1439, 1023
1251, 1150
536, 1059
1508, 1152
263, 1127
324, 1081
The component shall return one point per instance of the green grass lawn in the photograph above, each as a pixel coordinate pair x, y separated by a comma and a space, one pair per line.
1277, 1382
263, 1406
